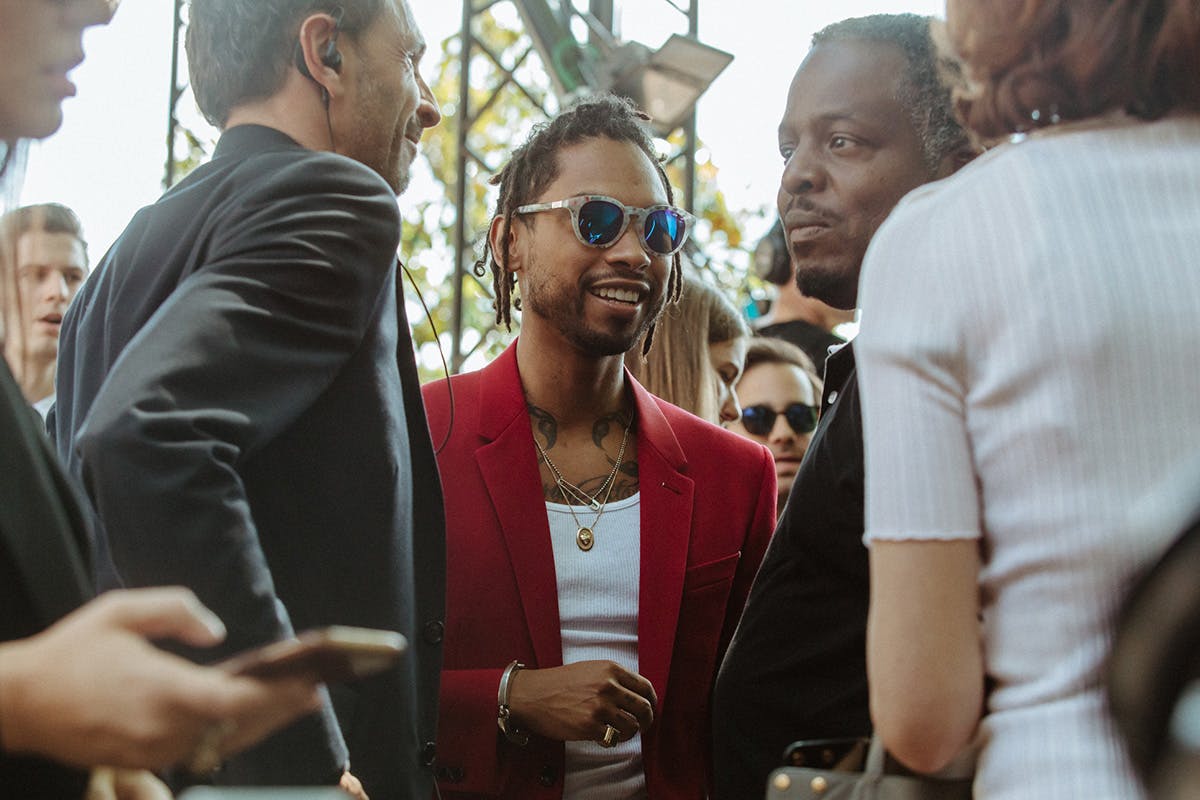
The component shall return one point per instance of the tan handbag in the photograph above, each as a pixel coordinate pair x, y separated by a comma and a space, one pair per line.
871, 783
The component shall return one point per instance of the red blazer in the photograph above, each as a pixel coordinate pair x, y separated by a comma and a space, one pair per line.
707, 513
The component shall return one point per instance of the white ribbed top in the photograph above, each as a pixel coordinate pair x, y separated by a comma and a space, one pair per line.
1030, 367
598, 595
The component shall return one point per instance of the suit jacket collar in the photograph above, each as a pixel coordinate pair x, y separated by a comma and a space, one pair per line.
667, 505
243, 140
500, 383
509, 465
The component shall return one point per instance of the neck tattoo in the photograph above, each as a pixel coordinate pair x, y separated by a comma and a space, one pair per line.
585, 535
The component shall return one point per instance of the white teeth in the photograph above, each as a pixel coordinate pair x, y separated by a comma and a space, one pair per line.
621, 295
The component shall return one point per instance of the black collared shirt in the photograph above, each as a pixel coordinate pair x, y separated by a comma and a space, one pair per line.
796, 668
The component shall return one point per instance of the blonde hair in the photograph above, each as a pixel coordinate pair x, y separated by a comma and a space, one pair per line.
678, 369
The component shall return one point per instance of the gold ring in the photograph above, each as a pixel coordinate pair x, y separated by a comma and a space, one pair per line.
610, 737
207, 756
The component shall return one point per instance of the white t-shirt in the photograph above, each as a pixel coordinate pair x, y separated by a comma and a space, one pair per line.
44, 405
598, 593
1029, 364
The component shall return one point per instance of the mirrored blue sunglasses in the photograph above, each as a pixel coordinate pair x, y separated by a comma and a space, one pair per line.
599, 221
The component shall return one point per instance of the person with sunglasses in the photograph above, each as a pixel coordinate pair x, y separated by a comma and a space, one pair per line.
779, 391
600, 541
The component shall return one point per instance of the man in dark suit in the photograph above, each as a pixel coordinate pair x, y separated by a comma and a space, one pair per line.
601, 541
83, 687
237, 389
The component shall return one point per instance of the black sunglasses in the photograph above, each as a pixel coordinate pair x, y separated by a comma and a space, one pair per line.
600, 221
759, 420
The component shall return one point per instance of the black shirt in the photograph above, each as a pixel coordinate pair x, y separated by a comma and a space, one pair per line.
812, 339
796, 668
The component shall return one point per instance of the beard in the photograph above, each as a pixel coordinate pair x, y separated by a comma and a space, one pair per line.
376, 137
563, 306
831, 286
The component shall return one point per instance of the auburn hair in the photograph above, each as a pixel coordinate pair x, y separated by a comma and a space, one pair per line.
1031, 63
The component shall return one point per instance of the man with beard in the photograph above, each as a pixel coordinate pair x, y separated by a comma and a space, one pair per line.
868, 119
600, 542
237, 388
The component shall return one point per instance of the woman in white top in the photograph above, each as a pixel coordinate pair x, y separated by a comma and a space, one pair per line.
1028, 362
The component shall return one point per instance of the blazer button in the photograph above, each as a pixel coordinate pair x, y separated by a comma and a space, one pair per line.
548, 776
434, 632
428, 754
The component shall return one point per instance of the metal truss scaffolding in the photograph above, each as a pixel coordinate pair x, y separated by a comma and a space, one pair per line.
173, 98
563, 54
563, 51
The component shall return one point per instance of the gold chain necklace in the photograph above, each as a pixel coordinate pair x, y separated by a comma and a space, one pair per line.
585, 535
565, 486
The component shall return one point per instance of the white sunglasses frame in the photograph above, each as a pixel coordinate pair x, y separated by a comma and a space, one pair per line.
629, 213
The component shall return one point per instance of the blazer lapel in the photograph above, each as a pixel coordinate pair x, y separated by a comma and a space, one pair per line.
510, 471
666, 503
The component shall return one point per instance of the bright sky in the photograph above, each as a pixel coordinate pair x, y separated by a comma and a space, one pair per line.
107, 161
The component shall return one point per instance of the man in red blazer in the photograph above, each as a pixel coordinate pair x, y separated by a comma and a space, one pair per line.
600, 542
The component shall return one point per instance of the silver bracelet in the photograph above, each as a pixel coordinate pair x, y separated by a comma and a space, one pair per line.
519, 738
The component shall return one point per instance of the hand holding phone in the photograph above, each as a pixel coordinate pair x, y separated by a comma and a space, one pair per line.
334, 655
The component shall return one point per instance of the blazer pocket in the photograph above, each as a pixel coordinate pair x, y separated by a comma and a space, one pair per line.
713, 572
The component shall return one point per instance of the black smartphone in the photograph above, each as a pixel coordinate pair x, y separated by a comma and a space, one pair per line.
848, 754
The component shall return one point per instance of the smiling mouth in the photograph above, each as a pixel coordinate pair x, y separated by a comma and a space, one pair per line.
623, 296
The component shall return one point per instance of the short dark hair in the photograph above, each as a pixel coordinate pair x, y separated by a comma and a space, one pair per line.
534, 166
240, 50
931, 76
1034, 63
769, 350
48, 217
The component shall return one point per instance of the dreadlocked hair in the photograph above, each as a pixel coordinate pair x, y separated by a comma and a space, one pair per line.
534, 166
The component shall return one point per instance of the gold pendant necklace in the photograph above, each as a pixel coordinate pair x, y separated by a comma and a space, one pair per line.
585, 535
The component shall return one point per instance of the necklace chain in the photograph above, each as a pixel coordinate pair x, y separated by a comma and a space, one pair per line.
566, 487
585, 534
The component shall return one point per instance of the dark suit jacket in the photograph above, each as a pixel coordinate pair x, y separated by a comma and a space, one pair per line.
238, 394
44, 567
707, 511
